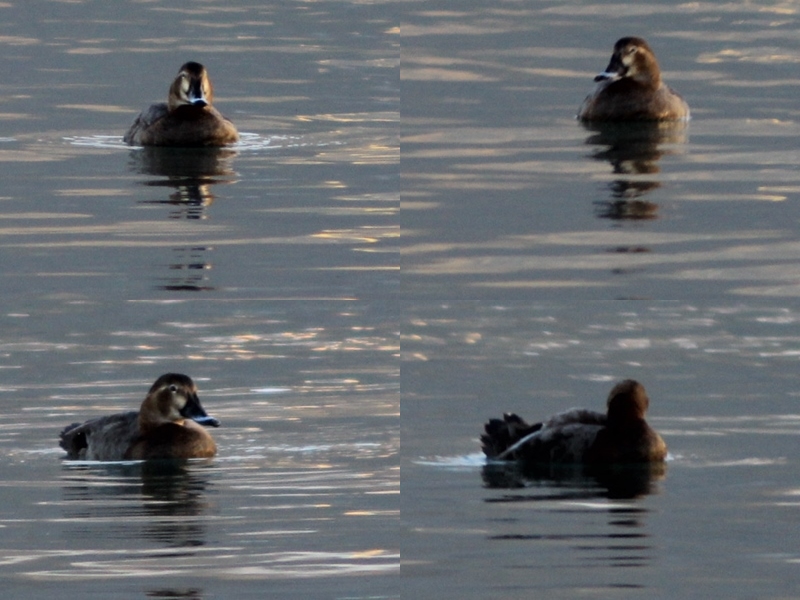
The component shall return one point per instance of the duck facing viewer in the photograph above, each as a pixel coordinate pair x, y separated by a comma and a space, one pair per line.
167, 425
631, 89
187, 118
580, 436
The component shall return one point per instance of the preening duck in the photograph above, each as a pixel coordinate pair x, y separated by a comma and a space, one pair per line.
167, 425
580, 436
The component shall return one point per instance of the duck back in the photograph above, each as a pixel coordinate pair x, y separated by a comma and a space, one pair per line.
564, 438
104, 438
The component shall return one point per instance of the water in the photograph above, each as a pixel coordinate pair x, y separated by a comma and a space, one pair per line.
542, 261
718, 522
267, 272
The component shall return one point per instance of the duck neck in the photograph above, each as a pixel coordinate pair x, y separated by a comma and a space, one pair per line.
150, 416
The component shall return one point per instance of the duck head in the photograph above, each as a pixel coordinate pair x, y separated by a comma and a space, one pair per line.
173, 399
633, 58
191, 87
627, 403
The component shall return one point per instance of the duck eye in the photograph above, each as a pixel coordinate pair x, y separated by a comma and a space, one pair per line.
173, 388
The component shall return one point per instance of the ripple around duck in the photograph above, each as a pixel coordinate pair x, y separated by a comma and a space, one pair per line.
247, 142
467, 461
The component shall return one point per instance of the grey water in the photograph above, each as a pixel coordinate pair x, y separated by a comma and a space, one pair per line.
540, 261
543, 260
268, 272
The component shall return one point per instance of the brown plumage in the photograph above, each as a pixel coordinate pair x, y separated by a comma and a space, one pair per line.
168, 425
187, 118
631, 89
581, 436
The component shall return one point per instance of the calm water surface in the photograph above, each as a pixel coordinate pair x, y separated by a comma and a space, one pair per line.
268, 272
542, 261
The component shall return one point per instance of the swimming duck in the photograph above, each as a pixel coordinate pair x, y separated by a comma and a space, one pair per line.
187, 119
631, 89
580, 436
168, 425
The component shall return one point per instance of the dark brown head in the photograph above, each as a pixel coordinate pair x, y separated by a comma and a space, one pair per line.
191, 87
627, 403
633, 58
173, 399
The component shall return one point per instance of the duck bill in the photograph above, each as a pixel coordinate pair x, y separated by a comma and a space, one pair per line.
195, 95
194, 410
614, 70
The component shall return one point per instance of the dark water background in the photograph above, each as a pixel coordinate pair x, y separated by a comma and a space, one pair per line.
268, 272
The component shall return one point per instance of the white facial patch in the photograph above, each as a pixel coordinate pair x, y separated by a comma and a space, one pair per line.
606, 76
629, 61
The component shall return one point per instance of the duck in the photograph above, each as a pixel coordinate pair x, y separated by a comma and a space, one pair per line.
168, 425
187, 119
580, 436
631, 89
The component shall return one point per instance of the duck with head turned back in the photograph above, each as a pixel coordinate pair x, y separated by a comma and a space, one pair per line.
631, 89
187, 119
167, 425
579, 436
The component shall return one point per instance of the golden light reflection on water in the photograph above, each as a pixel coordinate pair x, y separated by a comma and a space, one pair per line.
375, 117
440, 74
6, 116
360, 234
27, 156
337, 210
103, 108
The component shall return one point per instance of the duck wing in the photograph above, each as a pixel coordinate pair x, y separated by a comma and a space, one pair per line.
500, 434
143, 122
565, 437
103, 438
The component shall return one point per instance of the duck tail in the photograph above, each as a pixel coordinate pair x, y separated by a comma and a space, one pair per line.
501, 434
72, 439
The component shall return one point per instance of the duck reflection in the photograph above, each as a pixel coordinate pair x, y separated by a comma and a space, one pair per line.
622, 541
633, 150
189, 172
189, 175
192, 594
162, 501
577, 481
176, 495
191, 265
